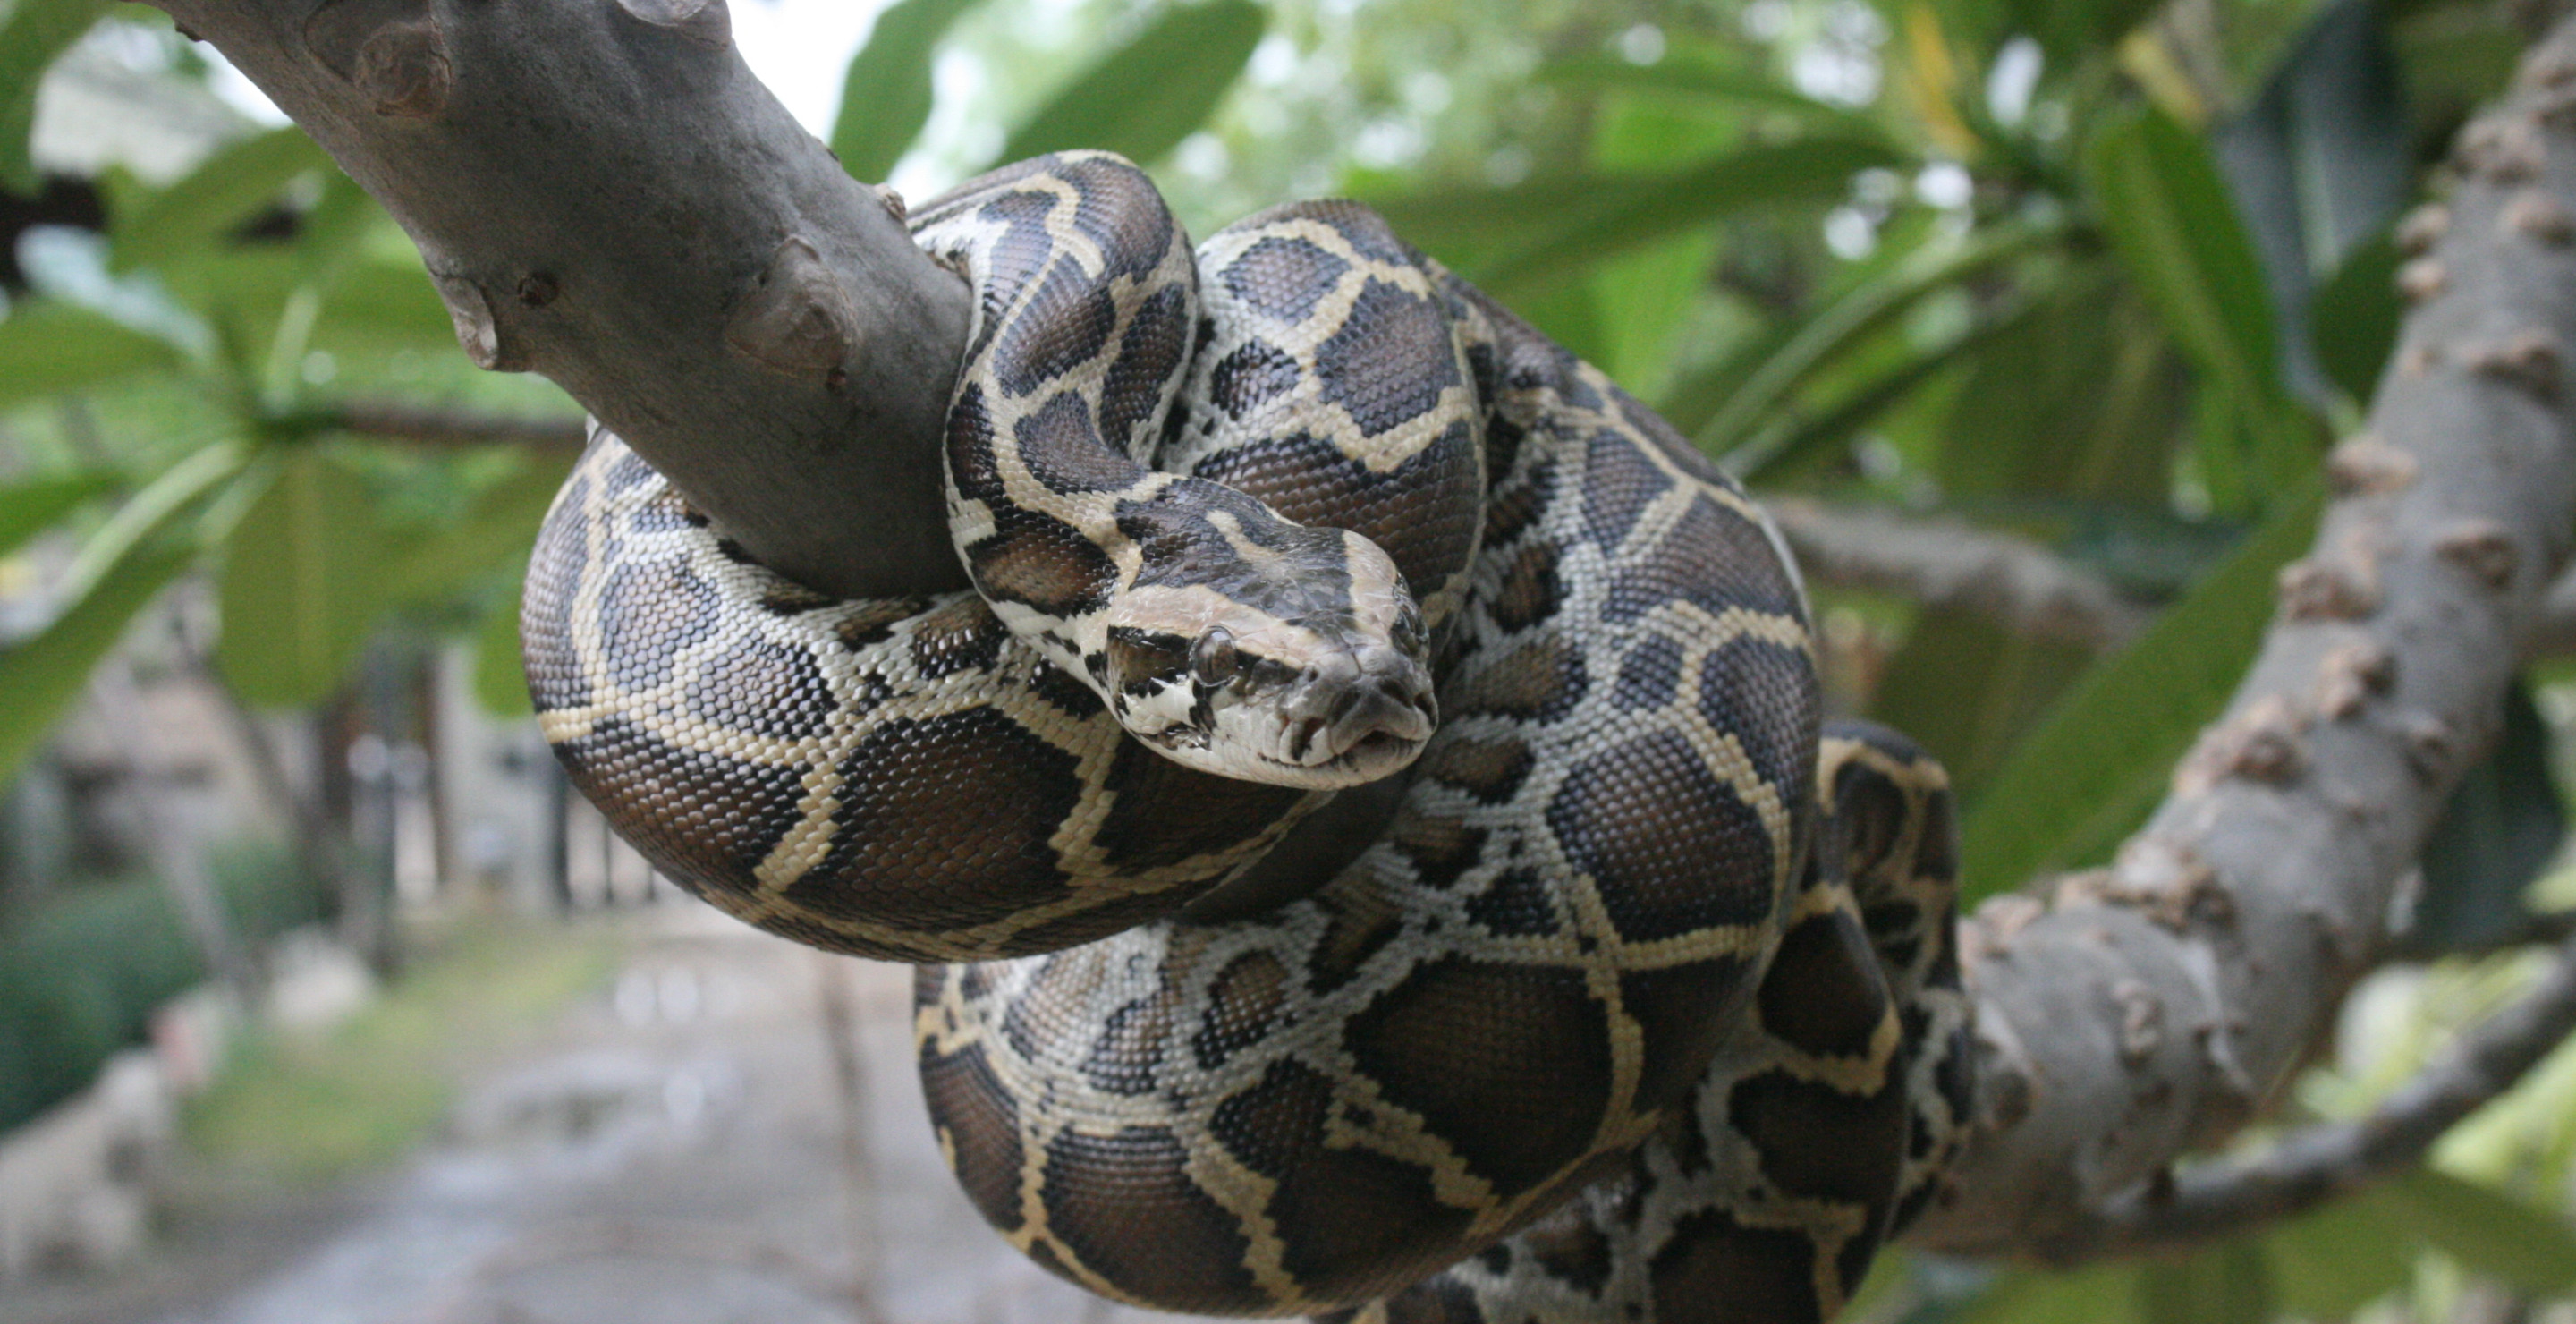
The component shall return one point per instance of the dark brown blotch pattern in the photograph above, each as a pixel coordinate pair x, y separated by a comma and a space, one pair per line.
1356, 1223
1142, 1223
1510, 1064
1715, 1271
704, 820
1244, 1002
944, 822
1161, 813
1670, 849
1283, 277
981, 1124
1391, 359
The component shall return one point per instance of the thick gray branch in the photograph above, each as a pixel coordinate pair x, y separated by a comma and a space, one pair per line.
2017, 583
606, 195
2309, 1166
2154, 1006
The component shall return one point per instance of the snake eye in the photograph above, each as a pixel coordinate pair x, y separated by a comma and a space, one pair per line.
1212, 659
1407, 633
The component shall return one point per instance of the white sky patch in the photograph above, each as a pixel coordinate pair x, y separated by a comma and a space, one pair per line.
1275, 60
1849, 233
1946, 185
238, 91
1202, 156
1385, 144
2013, 78
1642, 44
1766, 20
800, 48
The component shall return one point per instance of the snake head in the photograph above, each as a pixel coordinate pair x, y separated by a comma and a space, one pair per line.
1323, 685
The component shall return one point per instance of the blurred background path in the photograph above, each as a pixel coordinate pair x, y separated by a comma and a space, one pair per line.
645, 1118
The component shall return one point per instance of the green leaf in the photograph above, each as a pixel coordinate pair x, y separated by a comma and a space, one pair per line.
1462, 225
2486, 1230
1653, 289
119, 570
500, 679
2071, 30
202, 210
1569, 313
2318, 163
29, 508
2099, 1294
2176, 233
1968, 689
49, 349
2500, 828
2175, 230
2100, 759
498, 528
1810, 170
34, 33
42, 674
2331, 1262
2228, 1283
1799, 442
2079, 402
2353, 316
336, 225
302, 583
1143, 98
885, 96
177, 490
387, 303
1722, 417
1704, 79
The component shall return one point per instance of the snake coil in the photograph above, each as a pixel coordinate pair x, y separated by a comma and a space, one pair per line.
1640, 1003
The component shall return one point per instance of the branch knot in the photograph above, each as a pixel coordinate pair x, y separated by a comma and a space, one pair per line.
705, 23
796, 318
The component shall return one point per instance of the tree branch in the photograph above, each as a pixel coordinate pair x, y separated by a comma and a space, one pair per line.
2310, 1166
606, 195
2013, 581
394, 420
2153, 1007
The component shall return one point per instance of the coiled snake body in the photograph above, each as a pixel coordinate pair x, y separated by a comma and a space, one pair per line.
1623, 1013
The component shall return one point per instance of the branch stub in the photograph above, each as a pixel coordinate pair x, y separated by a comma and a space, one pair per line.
704, 22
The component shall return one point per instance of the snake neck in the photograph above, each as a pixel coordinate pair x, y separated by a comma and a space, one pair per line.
1220, 634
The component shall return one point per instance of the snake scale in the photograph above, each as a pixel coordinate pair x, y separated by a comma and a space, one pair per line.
1625, 993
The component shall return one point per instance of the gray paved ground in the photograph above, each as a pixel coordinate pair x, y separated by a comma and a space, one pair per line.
672, 1153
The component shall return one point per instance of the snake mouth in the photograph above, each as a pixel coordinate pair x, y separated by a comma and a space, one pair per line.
1370, 732
1376, 755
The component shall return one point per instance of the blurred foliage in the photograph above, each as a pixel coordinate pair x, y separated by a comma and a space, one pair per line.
82, 971
2104, 273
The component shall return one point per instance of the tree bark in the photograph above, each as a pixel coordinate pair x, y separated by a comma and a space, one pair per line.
605, 194
2150, 1008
